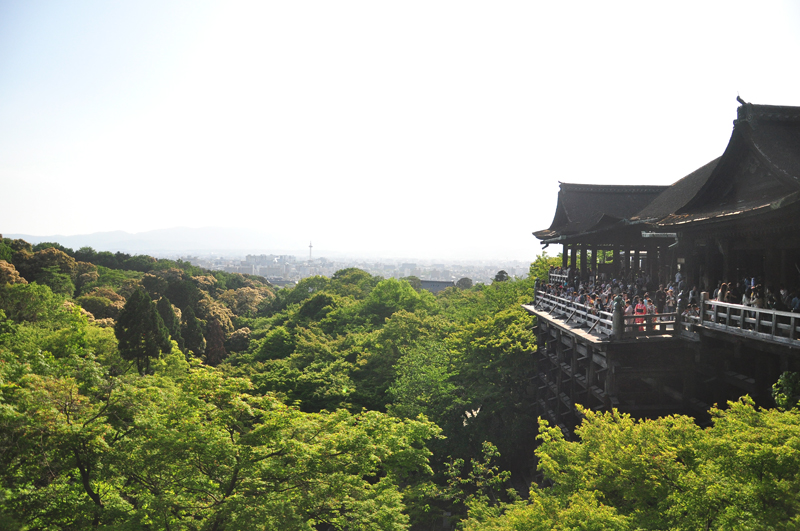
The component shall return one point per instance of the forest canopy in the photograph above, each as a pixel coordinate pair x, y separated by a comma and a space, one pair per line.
138, 393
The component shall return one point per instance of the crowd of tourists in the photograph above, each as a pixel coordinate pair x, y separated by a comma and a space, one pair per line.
640, 296
749, 292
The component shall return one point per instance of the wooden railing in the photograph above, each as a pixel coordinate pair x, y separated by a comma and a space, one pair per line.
601, 322
650, 324
748, 321
745, 321
580, 314
558, 278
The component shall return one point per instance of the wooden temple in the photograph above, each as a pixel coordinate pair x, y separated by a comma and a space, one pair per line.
736, 217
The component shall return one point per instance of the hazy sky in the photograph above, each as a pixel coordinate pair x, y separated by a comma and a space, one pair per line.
427, 129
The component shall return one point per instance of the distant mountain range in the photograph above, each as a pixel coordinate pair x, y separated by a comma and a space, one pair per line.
179, 240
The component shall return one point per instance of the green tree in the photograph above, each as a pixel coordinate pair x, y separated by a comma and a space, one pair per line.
423, 384
6, 251
30, 302
786, 391
85, 254
155, 285
464, 283
192, 332
191, 449
415, 282
743, 472
391, 296
492, 402
171, 320
540, 268
141, 332
9, 274
278, 343
54, 245
501, 276
47, 265
215, 343
376, 365
140, 262
57, 281
354, 282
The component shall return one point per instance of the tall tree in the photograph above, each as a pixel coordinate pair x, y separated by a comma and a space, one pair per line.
141, 332
192, 332
215, 348
501, 276
171, 320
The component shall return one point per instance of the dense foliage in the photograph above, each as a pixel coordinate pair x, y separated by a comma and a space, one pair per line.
138, 393
743, 472
145, 394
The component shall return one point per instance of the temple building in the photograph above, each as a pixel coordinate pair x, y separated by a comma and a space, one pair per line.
736, 217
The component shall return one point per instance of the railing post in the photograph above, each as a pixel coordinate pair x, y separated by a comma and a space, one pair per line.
703, 300
618, 319
679, 315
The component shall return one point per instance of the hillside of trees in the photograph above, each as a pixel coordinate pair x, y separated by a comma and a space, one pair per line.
138, 393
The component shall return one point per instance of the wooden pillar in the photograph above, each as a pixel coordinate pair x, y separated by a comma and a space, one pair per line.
564, 256
636, 262
589, 373
573, 384
573, 250
583, 261
559, 377
623, 261
594, 261
652, 263
726, 260
784, 265
628, 261
771, 267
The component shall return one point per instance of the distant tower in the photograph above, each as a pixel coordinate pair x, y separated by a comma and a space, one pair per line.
309, 251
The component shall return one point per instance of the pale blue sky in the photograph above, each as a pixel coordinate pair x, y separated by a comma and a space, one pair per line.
428, 129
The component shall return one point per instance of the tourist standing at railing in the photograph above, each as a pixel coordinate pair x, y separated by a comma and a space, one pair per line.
693, 296
723, 292
628, 312
598, 304
715, 296
670, 304
639, 309
661, 298
785, 299
690, 313
758, 297
778, 304
794, 301
747, 301
732, 296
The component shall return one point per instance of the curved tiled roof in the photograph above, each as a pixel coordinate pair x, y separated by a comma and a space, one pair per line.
759, 169
677, 195
586, 207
